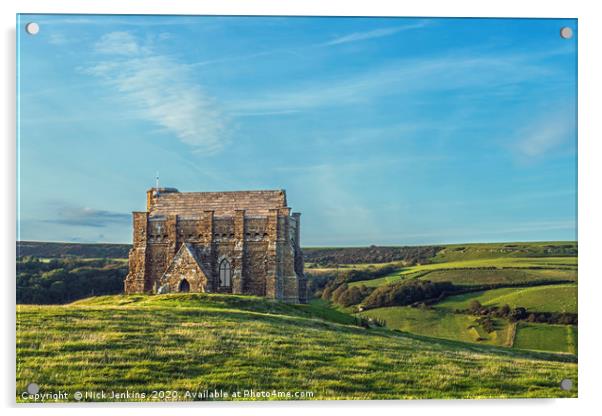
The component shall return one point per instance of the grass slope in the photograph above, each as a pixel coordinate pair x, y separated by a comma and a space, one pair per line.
478, 271
553, 298
469, 277
198, 342
440, 324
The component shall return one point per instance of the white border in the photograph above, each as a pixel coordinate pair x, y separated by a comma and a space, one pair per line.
590, 209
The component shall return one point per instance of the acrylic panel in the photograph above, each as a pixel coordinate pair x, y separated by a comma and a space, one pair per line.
295, 208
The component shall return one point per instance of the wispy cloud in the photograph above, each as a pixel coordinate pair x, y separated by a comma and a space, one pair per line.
490, 233
160, 90
546, 134
57, 38
442, 73
337, 200
375, 33
118, 43
87, 217
366, 165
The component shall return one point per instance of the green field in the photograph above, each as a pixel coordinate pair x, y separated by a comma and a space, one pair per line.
454, 252
490, 270
440, 324
459, 327
549, 267
236, 343
552, 298
544, 337
203, 342
468, 277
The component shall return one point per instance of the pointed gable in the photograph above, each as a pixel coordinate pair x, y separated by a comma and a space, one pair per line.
185, 266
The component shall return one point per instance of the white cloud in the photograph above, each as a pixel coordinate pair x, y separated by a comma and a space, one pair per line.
56, 38
161, 90
118, 43
545, 134
501, 232
343, 210
376, 33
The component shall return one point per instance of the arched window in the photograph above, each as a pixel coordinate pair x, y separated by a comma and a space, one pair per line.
225, 274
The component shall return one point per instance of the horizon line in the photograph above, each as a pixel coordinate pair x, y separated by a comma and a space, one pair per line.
343, 246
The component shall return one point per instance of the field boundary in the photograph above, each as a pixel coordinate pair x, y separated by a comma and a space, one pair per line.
512, 334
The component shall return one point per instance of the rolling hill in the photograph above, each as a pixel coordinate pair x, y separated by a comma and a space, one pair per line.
198, 342
495, 270
549, 298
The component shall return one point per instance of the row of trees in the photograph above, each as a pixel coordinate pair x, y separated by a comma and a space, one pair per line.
318, 283
520, 314
403, 293
345, 295
372, 254
423, 292
407, 293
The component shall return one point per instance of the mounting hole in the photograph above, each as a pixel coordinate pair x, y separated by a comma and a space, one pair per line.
566, 384
33, 388
32, 28
566, 32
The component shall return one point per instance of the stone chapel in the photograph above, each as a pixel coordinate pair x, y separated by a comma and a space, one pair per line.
244, 242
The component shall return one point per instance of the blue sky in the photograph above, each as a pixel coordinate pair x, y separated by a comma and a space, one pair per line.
382, 130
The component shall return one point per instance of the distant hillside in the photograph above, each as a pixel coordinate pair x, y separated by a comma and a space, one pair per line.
372, 254
325, 256
90, 251
460, 252
328, 256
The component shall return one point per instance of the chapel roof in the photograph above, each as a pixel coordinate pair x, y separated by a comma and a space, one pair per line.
171, 201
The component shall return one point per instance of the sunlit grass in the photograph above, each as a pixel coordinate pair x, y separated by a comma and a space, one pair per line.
192, 342
552, 298
479, 271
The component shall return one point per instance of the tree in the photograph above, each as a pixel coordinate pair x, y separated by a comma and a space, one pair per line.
518, 314
475, 306
338, 292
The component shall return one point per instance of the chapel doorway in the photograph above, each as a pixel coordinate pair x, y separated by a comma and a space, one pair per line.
184, 286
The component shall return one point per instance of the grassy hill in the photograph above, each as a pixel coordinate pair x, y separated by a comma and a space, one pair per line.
502, 276
486, 271
552, 298
455, 252
539, 277
436, 323
235, 343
